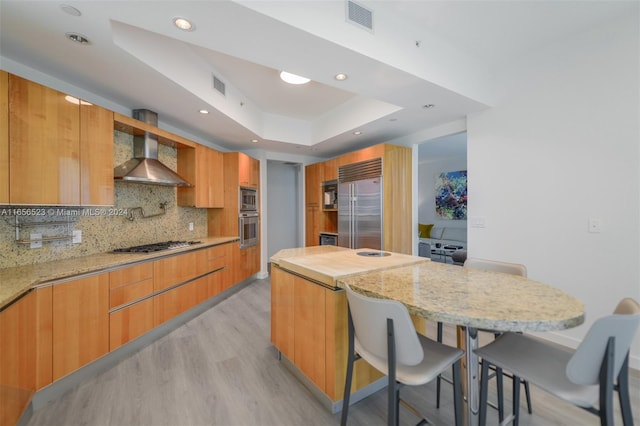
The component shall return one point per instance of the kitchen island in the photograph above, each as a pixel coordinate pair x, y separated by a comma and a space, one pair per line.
309, 316
309, 309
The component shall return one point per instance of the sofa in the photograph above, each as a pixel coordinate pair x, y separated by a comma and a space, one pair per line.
449, 239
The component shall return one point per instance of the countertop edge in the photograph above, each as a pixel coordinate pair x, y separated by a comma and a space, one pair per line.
119, 261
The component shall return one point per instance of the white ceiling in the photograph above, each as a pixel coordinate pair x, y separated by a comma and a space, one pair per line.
419, 52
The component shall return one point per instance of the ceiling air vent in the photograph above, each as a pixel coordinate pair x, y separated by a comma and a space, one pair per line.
219, 85
359, 15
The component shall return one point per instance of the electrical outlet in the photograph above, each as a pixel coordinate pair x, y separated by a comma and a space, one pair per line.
190, 226
36, 244
77, 236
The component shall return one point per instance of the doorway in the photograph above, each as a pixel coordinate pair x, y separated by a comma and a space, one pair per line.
283, 206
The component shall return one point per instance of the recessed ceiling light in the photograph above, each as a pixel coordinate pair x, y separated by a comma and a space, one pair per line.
70, 10
427, 106
77, 38
292, 78
203, 111
184, 24
357, 133
254, 140
341, 77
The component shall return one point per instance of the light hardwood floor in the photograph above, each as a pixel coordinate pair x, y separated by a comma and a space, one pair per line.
221, 369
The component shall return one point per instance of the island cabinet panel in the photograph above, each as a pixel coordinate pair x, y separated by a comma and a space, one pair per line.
80, 323
96, 155
202, 167
44, 145
282, 303
309, 327
4, 137
309, 331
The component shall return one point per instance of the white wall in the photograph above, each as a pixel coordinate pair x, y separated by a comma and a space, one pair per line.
562, 146
283, 204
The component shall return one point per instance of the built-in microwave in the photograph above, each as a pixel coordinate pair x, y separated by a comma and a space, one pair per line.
248, 199
330, 195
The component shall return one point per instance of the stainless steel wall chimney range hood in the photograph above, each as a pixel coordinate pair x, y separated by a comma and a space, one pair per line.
144, 167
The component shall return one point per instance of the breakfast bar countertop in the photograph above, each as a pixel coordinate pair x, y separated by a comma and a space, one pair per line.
17, 280
473, 298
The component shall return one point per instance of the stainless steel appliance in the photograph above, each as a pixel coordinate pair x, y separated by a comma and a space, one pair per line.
154, 247
328, 239
145, 167
360, 205
248, 199
248, 224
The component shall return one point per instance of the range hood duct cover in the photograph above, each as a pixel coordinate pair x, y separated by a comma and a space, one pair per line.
145, 167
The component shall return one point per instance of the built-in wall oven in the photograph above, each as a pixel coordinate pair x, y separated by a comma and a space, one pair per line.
249, 223
249, 220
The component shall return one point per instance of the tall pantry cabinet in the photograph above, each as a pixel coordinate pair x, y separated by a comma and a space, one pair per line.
239, 170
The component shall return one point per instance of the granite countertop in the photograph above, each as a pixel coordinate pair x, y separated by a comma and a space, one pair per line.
326, 264
18, 280
472, 297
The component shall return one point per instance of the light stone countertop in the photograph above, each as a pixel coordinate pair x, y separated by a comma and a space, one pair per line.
18, 280
473, 298
326, 264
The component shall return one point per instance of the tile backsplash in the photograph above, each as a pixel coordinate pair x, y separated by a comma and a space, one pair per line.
104, 229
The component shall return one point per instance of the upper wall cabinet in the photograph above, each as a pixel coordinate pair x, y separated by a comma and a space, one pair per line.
204, 168
4, 137
60, 152
248, 170
96, 155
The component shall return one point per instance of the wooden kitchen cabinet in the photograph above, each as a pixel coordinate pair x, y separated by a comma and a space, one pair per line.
309, 336
128, 285
60, 148
173, 302
96, 156
313, 218
282, 319
330, 169
44, 145
203, 167
178, 269
309, 327
17, 358
248, 170
80, 323
313, 177
4, 137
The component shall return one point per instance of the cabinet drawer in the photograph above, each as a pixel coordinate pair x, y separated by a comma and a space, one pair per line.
128, 323
175, 270
129, 293
130, 275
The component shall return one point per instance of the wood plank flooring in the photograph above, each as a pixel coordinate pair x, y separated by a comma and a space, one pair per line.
221, 369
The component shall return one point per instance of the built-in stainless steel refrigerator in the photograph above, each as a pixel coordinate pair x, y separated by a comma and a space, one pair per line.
360, 207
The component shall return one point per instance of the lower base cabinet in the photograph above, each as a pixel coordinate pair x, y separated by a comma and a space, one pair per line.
80, 323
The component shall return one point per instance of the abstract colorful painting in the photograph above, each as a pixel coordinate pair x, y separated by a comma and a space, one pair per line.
451, 195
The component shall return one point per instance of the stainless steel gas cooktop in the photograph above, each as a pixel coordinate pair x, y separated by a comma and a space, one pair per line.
152, 248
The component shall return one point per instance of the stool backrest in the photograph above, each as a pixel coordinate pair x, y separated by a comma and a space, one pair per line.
370, 325
496, 266
584, 366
